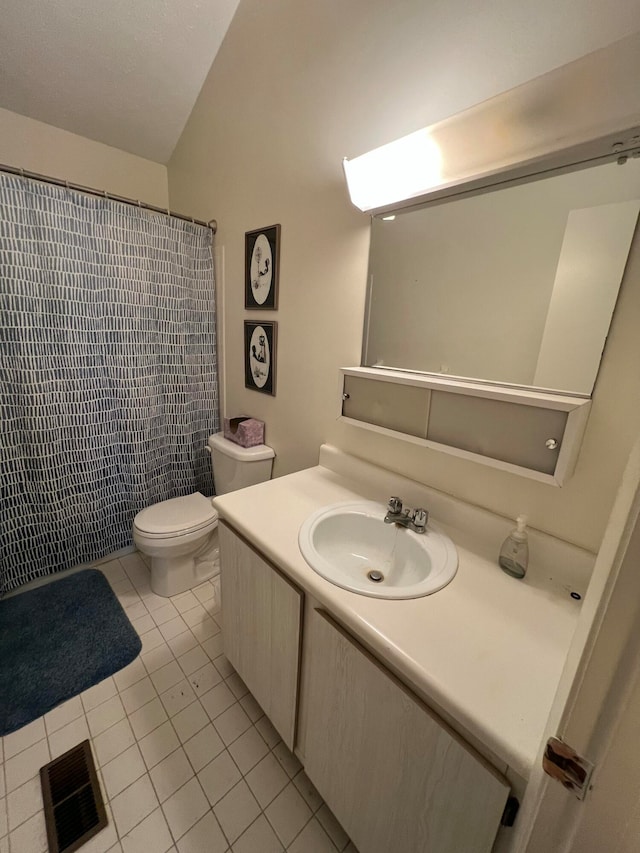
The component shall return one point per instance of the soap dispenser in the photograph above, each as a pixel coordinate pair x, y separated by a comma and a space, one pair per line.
514, 554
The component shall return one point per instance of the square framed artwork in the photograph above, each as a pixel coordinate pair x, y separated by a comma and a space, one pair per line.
260, 356
261, 268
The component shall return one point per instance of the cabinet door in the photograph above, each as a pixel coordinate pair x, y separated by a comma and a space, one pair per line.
396, 778
262, 614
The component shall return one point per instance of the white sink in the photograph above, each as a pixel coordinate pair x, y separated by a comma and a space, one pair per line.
346, 542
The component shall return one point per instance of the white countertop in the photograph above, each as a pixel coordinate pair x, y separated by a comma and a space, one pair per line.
487, 651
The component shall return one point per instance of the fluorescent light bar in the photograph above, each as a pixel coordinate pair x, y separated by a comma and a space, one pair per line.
395, 172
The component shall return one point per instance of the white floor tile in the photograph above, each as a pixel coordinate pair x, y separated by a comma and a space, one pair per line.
185, 808
4, 820
30, 836
63, 714
113, 741
205, 837
183, 602
193, 660
26, 765
122, 586
113, 571
237, 686
23, 803
122, 771
178, 697
146, 719
204, 592
133, 805
214, 647
206, 629
23, 738
167, 676
130, 675
287, 759
267, 780
171, 774
217, 700
248, 750
151, 640
219, 777
142, 624
138, 694
205, 678
195, 615
190, 720
309, 793
105, 715
236, 811
157, 658
154, 602
203, 747
164, 614
150, 835
288, 814
184, 642
172, 628
68, 736
331, 826
221, 663
232, 723
267, 731
98, 694
251, 708
136, 610
157, 745
259, 838
312, 839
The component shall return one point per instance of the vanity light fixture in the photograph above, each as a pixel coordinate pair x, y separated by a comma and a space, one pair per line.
400, 170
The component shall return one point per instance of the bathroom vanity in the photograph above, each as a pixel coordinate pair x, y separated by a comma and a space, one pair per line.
414, 718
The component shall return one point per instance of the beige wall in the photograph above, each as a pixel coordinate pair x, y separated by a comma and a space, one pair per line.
294, 89
38, 147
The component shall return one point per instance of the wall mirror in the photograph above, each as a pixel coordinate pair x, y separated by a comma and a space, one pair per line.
516, 285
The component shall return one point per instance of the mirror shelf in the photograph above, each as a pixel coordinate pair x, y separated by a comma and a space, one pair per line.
522, 431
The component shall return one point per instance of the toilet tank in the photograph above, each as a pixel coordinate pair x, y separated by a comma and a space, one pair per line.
235, 467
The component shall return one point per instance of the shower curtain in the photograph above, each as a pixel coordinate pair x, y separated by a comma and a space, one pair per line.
108, 373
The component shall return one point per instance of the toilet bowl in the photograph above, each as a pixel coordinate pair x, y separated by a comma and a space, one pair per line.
180, 535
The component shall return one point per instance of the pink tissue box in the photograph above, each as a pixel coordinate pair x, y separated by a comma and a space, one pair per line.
247, 432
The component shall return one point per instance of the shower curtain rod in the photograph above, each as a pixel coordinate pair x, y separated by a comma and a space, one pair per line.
47, 179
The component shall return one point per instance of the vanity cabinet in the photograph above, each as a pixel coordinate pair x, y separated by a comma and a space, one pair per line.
262, 623
395, 777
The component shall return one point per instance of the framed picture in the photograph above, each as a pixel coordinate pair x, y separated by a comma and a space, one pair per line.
261, 268
260, 356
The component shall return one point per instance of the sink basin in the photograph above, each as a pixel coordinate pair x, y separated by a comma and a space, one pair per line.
350, 545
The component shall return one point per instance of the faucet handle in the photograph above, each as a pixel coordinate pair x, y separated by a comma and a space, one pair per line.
420, 519
394, 505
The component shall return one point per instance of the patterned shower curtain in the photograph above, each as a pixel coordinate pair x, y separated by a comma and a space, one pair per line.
108, 372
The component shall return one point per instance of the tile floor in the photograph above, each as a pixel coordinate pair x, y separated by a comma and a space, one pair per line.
186, 758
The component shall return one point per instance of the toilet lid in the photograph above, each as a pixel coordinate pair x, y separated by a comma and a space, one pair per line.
177, 515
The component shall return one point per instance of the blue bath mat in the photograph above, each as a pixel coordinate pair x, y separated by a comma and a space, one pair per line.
58, 640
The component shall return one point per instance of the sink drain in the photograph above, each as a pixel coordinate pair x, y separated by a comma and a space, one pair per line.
375, 576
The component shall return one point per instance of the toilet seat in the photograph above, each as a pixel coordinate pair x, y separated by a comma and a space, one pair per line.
176, 516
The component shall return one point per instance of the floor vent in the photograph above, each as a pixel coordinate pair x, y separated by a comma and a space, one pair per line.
73, 806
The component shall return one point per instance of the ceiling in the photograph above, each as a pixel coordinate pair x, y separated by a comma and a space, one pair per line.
123, 72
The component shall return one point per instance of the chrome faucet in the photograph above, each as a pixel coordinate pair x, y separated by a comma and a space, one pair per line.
414, 519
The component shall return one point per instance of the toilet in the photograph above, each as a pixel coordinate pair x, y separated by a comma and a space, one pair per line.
180, 535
